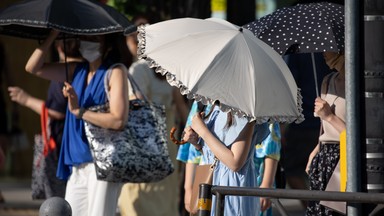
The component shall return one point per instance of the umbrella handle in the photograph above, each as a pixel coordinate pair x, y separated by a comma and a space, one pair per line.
315, 73
173, 139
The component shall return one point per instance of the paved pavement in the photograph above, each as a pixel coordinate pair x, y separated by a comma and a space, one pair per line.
18, 201
290, 208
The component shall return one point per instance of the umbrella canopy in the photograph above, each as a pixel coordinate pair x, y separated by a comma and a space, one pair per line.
213, 59
303, 28
34, 18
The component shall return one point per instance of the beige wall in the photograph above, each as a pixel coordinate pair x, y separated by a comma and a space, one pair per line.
17, 52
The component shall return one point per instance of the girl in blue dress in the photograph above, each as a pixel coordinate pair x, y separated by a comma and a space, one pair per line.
229, 138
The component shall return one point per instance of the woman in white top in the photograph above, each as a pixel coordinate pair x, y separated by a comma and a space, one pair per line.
330, 107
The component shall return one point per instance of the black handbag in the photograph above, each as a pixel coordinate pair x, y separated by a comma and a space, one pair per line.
137, 154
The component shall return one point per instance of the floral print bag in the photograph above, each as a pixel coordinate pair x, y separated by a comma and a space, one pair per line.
139, 152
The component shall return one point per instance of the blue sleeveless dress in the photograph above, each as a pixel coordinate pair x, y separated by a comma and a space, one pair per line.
74, 148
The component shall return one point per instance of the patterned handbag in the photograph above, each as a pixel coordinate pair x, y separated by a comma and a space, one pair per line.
139, 152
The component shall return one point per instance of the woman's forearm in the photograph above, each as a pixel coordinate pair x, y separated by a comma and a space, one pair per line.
188, 184
38, 57
34, 104
270, 167
221, 151
234, 157
118, 104
337, 123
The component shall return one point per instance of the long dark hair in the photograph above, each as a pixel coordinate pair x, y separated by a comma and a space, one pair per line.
116, 50
230, 119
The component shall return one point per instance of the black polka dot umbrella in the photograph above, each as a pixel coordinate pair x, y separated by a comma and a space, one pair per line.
303, 28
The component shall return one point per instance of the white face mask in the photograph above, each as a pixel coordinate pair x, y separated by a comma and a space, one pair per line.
90, 50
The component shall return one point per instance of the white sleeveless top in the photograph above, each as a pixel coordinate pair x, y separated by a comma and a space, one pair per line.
158, 91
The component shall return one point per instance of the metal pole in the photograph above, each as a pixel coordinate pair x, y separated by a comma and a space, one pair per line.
349, 197
205, 200
353, 90
352, 197
219, 205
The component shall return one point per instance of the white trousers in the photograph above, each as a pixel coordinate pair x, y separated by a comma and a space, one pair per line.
88, 196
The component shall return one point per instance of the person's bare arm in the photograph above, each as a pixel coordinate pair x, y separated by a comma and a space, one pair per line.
21, 97
188, 184
233, 158
311, 156
53, 114
270, 167
118, 115
323, 110
52, 71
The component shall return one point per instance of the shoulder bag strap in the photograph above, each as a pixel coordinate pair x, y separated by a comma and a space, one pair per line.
135, 86
324, 91
48, 141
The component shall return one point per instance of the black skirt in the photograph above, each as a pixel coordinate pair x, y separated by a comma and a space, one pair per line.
321, 169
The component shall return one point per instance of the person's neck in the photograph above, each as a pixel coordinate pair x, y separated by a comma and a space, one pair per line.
341, 71
93, 66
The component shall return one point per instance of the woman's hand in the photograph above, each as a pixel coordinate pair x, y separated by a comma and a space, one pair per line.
309, 162
73, 101
191, 136
198, 125
311, 156
265, 202
322, 109
18, 95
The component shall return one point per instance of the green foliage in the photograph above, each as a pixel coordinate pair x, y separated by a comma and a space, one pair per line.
129, 7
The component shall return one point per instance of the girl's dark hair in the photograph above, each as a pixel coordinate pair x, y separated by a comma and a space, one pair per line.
116, 50
230, 119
